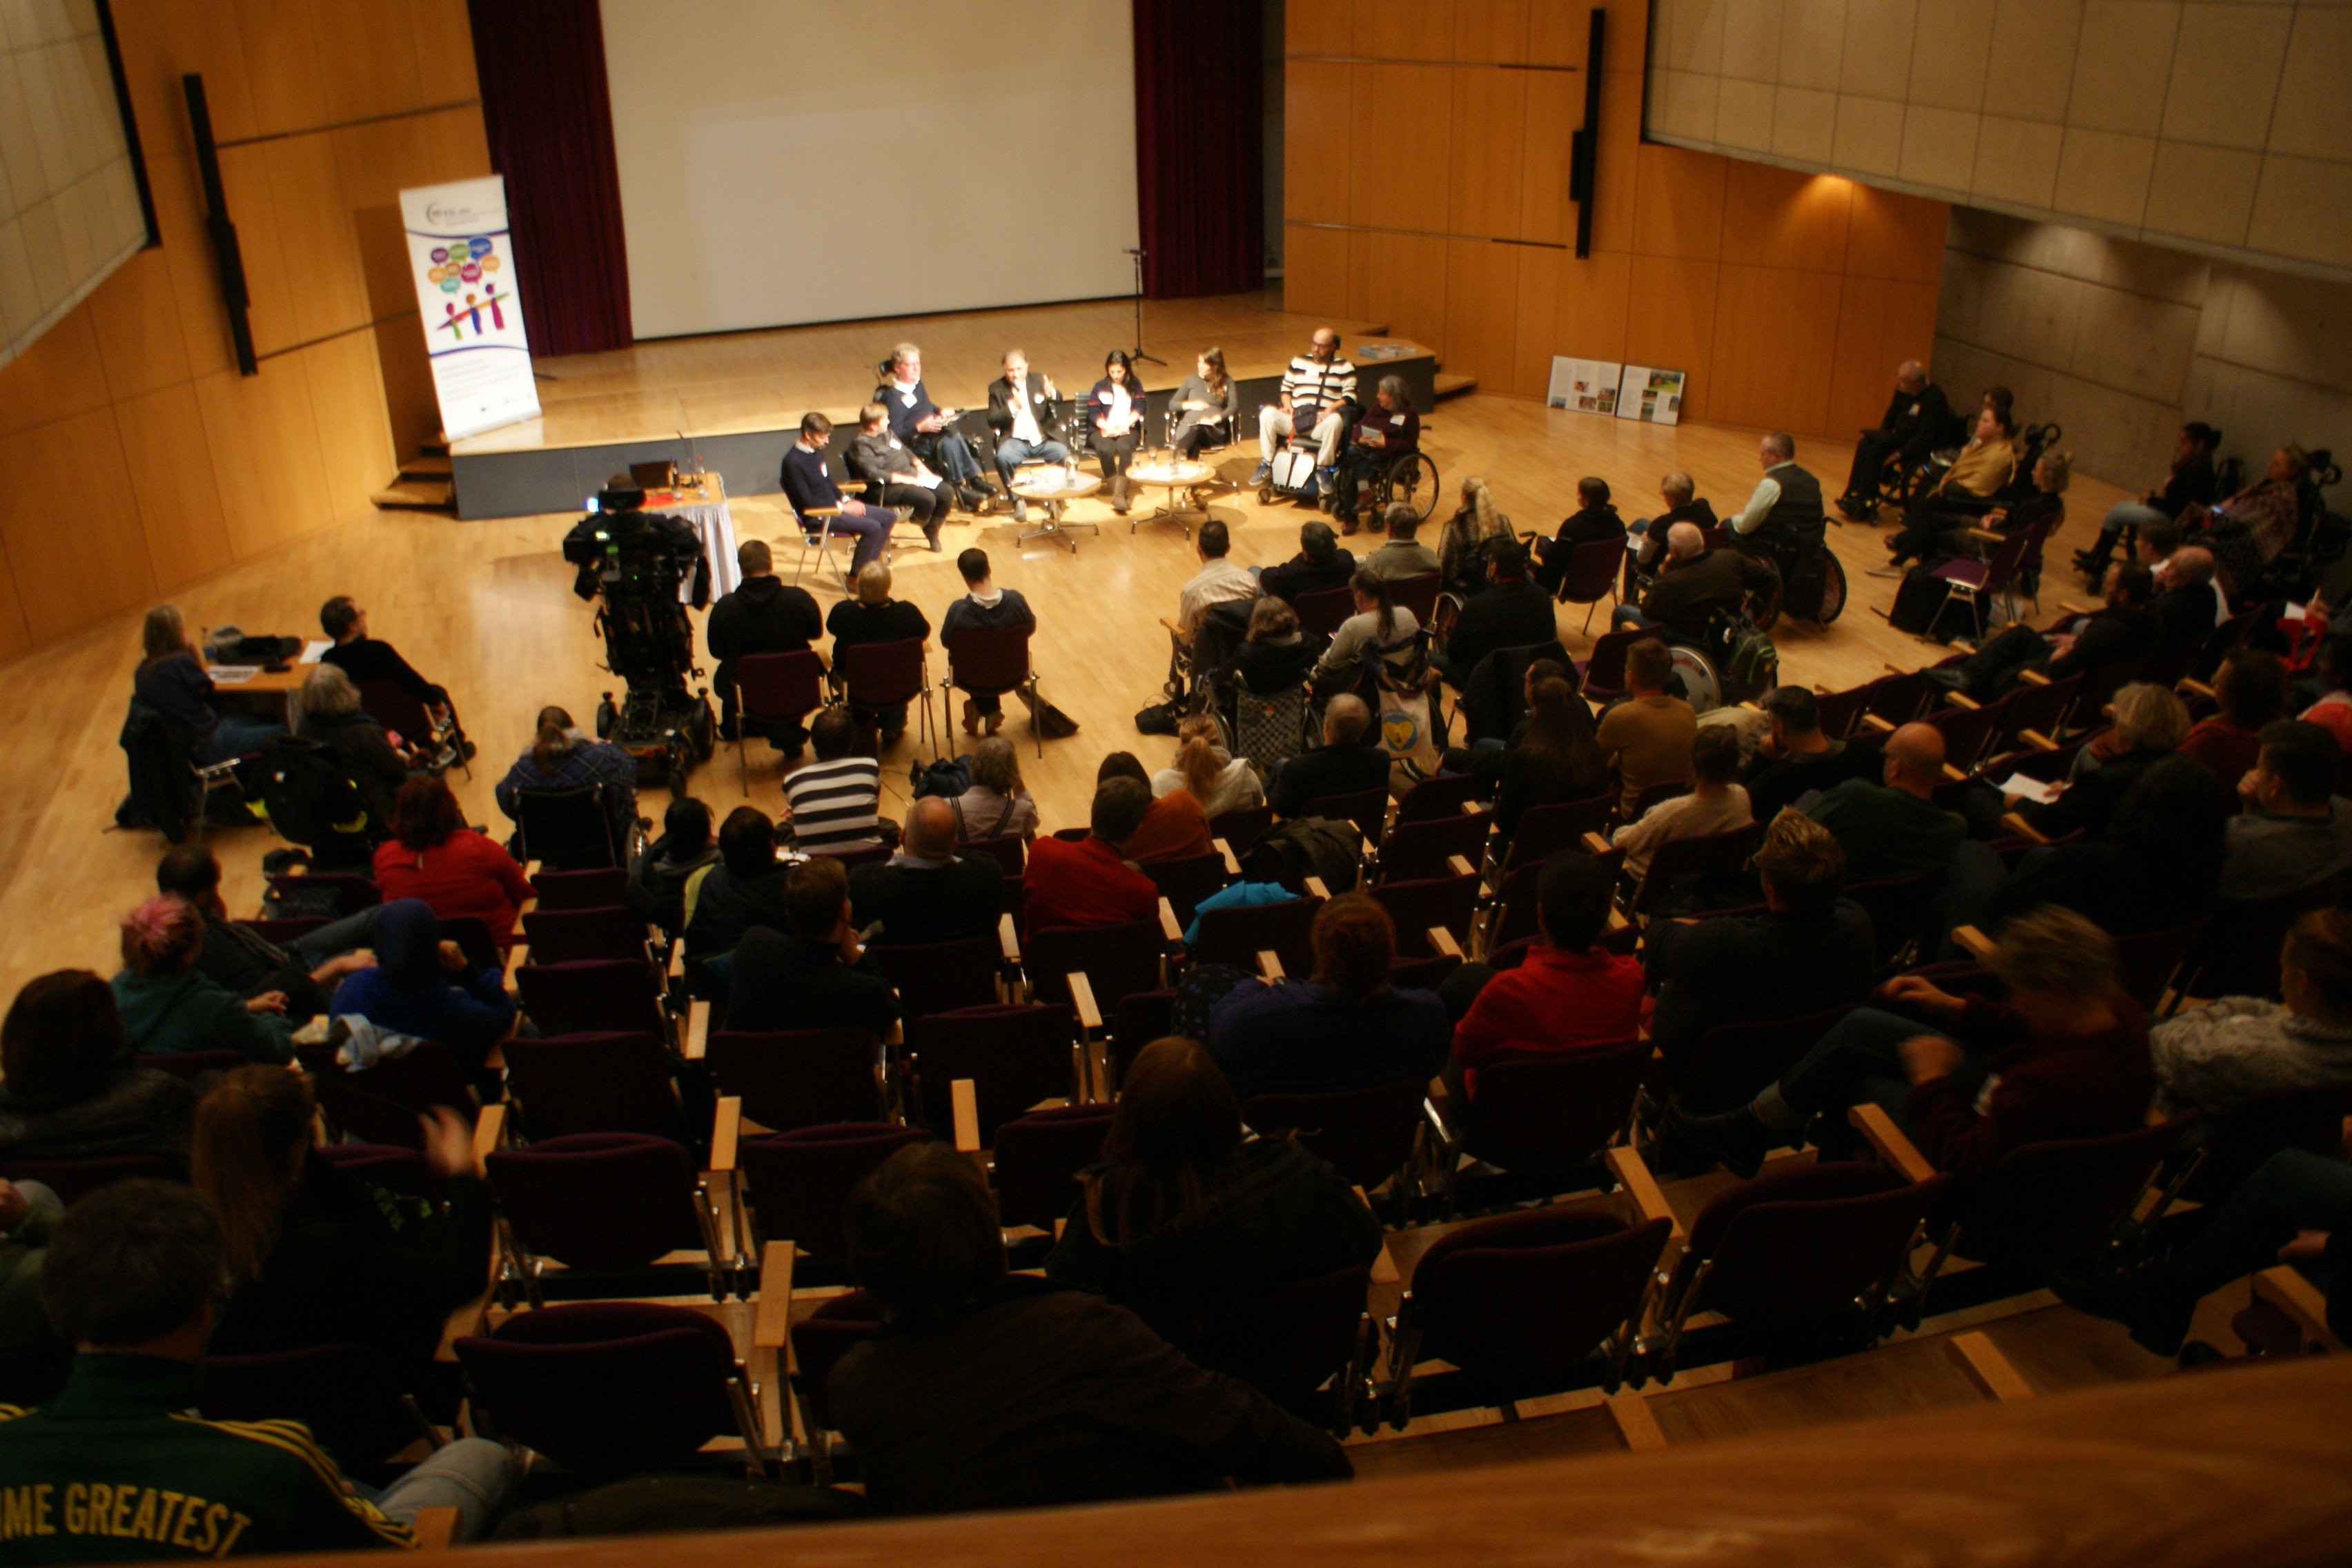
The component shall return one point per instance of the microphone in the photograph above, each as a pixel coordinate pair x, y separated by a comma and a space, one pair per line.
1132, 251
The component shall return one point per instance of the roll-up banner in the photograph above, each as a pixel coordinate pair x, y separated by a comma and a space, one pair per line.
463, 259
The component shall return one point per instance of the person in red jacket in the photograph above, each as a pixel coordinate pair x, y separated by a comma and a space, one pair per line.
2065, 1055
435, 856
1090, 882
1568, 996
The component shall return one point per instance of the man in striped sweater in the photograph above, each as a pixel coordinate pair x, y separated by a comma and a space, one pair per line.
832, 802
1319, 389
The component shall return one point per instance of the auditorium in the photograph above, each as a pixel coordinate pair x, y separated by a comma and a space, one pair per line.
1386, 777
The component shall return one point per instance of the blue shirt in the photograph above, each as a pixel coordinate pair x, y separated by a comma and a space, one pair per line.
1298, 1037
469, 1013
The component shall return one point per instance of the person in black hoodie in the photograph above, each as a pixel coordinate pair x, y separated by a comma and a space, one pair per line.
872, 615
766, 614
1512, 612
1188, 1225
1320, 564
2127, 629
72, 1090
746, 888
658, 876
1595, 517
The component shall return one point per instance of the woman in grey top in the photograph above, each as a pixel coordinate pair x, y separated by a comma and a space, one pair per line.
1207, 399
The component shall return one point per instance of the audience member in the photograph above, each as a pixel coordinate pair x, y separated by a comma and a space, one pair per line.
814, 973
1786, 503
367, 661
2332, 710
1188, 1225
873, 617
832, 802
1594, 519
2149, 724
172, 682
1321, 565
1173, 829
168, 1005
1696, 585
2188, 482
1680, 494
1400, 555
1347, 1027
991, 1391
1986, 463
1647, 737
658, 876
1275, 656
326, 709
458, 872
1381, 629
238, 958
926, 892
929, 430
996, 805
2125, 630
1812, 950
1208, 406
2036, 496
562, 756
1512, 612
1795, 759
763, 614
2264, 515
984, 606
1343, 765
2294, 831
1566, 994
2190, 605
1221, 580
1463, 543
69, 1087
1715, 804
2251, 688
2063, 1055
129, 1280
1021, 416
29, 1210
897, 483
1893, 827
1090, 882
1203, 769
746, 888
1915, 420
1555, 757
2215, 1057
424, 988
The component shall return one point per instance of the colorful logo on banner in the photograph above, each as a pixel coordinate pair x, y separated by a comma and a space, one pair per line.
465, 265
461, 255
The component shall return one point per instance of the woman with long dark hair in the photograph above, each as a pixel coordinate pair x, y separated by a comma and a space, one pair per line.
1559, 759
1206, 403
1115, 413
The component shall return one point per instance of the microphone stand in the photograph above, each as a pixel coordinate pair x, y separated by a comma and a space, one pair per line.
1137, 354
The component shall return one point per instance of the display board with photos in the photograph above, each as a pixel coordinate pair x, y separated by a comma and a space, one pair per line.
1644, 391
1583, 386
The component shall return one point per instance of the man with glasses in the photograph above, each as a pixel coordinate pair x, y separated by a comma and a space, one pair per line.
1319, 389
928, 429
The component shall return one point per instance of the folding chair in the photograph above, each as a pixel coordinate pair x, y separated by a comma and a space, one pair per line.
1368, 809
568, 936
1418, 850
1366, 1133
774, 689
989, 661
569, 1084
796, 1078
1015, 1057
1237, 935
1602, 674
345, 1393
1037, 1156
1425, 908
1321, 612
1417, 594
568, 829
594, 996
940, 976
1544, 1117
1590, 575
1679, 858
607, 1203
797, 1185
601, 888
887, 675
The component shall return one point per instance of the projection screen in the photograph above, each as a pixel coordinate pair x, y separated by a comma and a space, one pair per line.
790, 161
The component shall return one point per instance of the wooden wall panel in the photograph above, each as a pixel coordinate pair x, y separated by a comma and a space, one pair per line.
1774, 347
411, 404
282, 61
60, 373
1897, 236
1318, 26
1481, 302
1881, 323
1406, 29
1491, 30
165, 39
1533, 315
1396, 176
1590, 313
187, 257
1615, 174
265, 445
1406, 283
1556, 34
368, 52
87, 562
138, 326
450, 145
316, 237
1670, 321
1315, 270
1490, 133
1678, 200
1317, 109
1360, 277
1781, 217
13, 639
172, 479
445, 51
354, 432
1554, 109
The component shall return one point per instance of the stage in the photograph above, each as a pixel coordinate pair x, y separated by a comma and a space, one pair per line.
734, 402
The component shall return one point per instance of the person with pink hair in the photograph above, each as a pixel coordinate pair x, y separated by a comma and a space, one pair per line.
169, 1005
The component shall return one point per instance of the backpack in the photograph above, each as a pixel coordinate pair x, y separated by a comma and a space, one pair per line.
1412, 730
311, 796
1305, 847
1750, 663
946, 776
1270, 727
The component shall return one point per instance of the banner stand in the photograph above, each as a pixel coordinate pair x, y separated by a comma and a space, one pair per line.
463, 261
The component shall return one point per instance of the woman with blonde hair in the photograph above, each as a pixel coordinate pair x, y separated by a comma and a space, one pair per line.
1462, 543
169, 1005
561, 756
172, 681
1203, 769
996, 805
2149, 724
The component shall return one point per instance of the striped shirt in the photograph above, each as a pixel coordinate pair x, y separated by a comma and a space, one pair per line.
1321, 385
833, 805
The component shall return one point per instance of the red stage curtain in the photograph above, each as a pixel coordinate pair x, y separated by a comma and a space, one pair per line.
550, 121
1200, 131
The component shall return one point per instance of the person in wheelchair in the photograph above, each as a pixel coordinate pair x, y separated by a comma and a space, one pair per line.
1695, 586
1684, 504
1381, 436
1785, 510
2028, 499
1318, 390
561, 757
928, 429
1207, 405
1916, 422
1986, 465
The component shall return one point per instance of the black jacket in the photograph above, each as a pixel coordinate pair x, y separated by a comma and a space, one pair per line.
1774, 782
903, 419
1582, 528
766, 614
919, 904
130, 1110
852, 622
784, 981
360, 743
1685, 596
808, 480
1326, 771
1698, 511
2195, 482
657, 879
1917, 422
728, 905
1266, 668
1300, 576
1000, 406
1748, 968
365, 660
2090, 798
2118, 632
1515, 613
2185, 614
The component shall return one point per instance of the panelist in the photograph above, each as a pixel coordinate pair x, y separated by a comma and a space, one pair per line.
895, 476
1021, 410
1320, 388
1114, 410
809, 485
925, 426
1207, 403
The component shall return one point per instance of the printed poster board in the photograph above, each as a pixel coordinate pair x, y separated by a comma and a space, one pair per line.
463, 259
1646, 393
1583, 386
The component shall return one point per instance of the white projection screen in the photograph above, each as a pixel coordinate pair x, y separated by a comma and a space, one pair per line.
792, 161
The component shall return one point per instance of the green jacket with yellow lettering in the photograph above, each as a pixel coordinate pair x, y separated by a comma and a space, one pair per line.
119, 1468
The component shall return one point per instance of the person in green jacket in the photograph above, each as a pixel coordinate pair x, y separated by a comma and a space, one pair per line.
116, 1468
169, 1005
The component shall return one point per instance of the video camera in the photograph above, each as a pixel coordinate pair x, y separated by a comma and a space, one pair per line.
635, 562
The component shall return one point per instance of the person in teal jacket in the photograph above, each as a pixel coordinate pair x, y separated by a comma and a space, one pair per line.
168, 1005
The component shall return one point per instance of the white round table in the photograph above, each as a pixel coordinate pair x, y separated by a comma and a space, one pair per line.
1054, 489
1171, 476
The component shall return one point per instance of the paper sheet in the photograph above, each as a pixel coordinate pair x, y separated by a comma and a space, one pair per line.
314, 650
2031, 789
233, 674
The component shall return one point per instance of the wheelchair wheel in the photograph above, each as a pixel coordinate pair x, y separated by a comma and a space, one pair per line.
1413, 480
1833, 587
1265, 495
1702, 688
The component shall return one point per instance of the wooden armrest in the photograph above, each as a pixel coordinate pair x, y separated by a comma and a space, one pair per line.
1173, 629
1894, 670
966, 1100
1963, 645
2037, 740
1872, 1122
517, 956
698, 1030
676, 966
1233, 866
2188, 688
1442, 941
489, 1128
2022, 828
2035, 676
1616, 920
1976, 1355
1594, 844
1630, 1414
2074, 608
1460, 866
2290, 1292
1269, 963
857, 485
1318, 889
822, 511
1979, 946
1384, 1268
1008, 938
529, 906
1961, 699
1954, 775
1082, 997
1751, 706
1169, 926
726, 1131
532, 869
1472, 808
1632, 1173
771, 1314
1873, 722
1987, 536
436, 1529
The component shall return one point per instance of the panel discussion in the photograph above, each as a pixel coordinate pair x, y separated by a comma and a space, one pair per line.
1076, 779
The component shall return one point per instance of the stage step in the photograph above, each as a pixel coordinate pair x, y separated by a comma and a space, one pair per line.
406, 494
438, 447
428, 467
1452, 384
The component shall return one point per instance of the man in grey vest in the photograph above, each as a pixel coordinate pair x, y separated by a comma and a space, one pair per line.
1784, 516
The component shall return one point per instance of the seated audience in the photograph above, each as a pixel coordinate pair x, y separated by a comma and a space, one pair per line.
1476, 527
2247, 531
1794, 758
2332, 710
2063, 1055
1381, 629
1173, 829
1188, 1225
746, 888
69, 1087
2295, 830
984, 606
2251, 688
172, 681
238, 958
168, 1005
1682, 504
814, 973
1387, 430
996, 805
926, 892
1916, 419
1568, 994
130, 1278
872, 615
29, 1210
1021, 418
1715, 804
1400, 555
897, 480
1785, 508
809, 486
832, 804
1345, 1028
2189, 604
366, 660
994, 1391
1893, 827
2149, 724
1220, 579
2125, 629
2215, 1057
423, 987
1203, 769
1986, 463
2188, 482
1321, 565
1594, 519
435, 856
326, 709
564, 756
1812, 949
1647, 737
658, 876
1090, 882
1554, 757
1275, 656
764, 614
1345, 763
1694, 585
1512, 612
2027, 500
